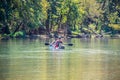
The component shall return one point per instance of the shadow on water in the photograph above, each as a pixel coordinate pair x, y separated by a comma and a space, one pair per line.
4, 60
4, 68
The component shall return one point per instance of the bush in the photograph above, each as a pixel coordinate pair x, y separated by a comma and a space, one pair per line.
19, 34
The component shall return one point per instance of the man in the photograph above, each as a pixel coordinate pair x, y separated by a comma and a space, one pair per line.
57, 43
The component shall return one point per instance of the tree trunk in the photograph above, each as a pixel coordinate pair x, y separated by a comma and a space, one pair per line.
6, 27
59, 22
17, 28
48, 22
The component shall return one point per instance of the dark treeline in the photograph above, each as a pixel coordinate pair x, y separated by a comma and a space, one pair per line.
19, 18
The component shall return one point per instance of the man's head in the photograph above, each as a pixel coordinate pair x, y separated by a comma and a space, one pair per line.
59, 37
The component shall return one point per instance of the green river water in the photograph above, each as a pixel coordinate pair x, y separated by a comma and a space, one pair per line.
87, 59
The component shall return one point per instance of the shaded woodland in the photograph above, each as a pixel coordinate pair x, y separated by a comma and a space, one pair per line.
21, 18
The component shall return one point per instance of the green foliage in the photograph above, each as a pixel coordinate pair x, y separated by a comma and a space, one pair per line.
53, 14
115, 26
100, 1
113, 17
75, 33
19, 34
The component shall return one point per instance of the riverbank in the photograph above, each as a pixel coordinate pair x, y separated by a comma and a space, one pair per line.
69, 36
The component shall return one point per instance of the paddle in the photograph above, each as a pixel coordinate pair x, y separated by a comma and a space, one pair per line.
69, 44
47, 43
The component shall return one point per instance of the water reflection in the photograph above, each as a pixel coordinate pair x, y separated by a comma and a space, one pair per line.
4, 60
4, 68
86, 60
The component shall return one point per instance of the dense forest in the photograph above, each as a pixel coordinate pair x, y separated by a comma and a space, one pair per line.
19, 18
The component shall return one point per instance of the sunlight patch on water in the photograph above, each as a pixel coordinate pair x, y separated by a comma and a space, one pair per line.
8, 57
89, 51
46, 51
41, 54
95, 51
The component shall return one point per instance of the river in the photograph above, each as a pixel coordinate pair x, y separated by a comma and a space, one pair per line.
87, 59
